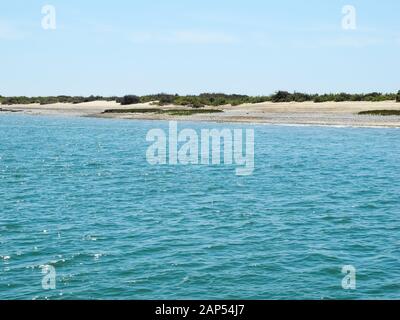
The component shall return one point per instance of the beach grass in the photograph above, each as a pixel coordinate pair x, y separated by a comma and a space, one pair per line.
173, 112
381, 113
190, 112
132, 110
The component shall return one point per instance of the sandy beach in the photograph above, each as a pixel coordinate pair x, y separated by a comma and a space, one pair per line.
307, 113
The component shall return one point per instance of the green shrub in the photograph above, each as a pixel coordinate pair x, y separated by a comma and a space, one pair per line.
128, 100
161, 98
301, 97
282, 96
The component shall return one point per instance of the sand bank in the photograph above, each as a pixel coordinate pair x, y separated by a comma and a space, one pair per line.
306, 113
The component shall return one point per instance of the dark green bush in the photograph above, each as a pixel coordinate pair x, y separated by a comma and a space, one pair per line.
282, 96
301, 97
128, 100
161, 98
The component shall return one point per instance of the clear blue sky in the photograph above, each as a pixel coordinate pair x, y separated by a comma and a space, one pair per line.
190, 46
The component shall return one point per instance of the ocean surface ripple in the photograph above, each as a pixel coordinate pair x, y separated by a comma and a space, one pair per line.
78, 194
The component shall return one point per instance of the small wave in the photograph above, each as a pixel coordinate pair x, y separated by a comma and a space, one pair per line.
97, 256
90, 238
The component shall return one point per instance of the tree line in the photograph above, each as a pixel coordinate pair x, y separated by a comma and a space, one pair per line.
207, 99
52, 99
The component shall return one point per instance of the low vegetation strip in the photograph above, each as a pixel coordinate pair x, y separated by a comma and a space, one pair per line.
208, 99
132, 111
52, 100
174, 112
220, 99
381, 113
191, 112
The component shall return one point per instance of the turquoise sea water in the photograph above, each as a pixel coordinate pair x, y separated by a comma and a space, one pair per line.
78, 194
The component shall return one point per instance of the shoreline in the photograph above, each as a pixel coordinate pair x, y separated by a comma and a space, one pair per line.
327, 114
